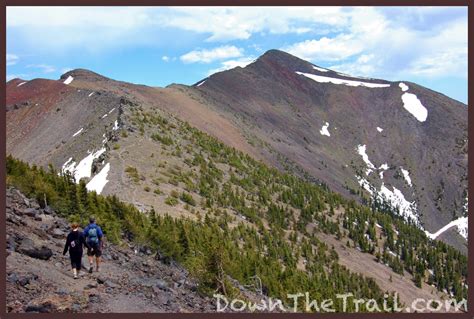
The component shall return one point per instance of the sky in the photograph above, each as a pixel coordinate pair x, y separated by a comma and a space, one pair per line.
158, 46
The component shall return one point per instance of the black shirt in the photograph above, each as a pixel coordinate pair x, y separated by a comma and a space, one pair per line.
74, 242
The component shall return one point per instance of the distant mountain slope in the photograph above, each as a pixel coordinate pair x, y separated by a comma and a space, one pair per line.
398, 141
414, 139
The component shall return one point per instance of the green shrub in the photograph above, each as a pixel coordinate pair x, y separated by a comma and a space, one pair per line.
133, 173
166, 140
171, 201
188, 198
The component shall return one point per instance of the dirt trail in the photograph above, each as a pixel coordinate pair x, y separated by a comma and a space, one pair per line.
131, 279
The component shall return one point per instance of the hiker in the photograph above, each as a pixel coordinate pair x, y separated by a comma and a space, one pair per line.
93, 235
74, 242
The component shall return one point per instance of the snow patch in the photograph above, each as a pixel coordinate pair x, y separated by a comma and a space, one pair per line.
361, 150
397, 200
466, 205
201, 83
460, 223
406, 175
463, 227
98, 182
365, 184
324, 130
112, 110
412, 104
68, 80
21, 84
116, 126
84, 167
379, 129
78, 132
320, 69
68, 166
325, 79
403, 86
353, 76
91, 94
383, 167
104, 116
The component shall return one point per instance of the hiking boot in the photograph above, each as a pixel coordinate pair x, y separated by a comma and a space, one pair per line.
75, 277
90, 270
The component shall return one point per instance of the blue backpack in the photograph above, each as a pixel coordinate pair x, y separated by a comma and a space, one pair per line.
92, 237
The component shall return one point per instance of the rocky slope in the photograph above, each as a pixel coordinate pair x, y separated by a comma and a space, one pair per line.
396, 140
132, 279
352, 134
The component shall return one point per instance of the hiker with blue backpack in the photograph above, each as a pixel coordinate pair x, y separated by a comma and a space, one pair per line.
93, 234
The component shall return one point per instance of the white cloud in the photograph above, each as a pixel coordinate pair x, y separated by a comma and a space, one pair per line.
444, 53
60, 29
326, 49
115, 17
12, 59
45, 68
165, 58
373, 45
364, 65
230, 64
208, 56
232, 23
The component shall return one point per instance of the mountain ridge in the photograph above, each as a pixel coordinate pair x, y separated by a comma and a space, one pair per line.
282, 113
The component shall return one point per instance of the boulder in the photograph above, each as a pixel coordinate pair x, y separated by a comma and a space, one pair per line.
90, 286
62, 291
12, 278
101, 280
42, 308
93, 298
58, 233
24, 280
76, 308
47, 210
111, 284
161, 284
29, 212
11, 244
27, 247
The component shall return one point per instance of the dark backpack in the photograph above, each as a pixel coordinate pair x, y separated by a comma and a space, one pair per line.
92, 237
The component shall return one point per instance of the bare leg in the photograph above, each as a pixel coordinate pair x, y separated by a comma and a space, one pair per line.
91, 262
74, 272
97, 263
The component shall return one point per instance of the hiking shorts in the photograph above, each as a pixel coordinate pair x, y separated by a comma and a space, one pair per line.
94, 250
76, 261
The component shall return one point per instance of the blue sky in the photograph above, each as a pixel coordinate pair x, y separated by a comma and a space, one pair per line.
158, 46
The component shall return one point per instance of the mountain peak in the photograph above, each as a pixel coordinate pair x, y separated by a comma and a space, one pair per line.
83, 74
280, 57
288, 61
